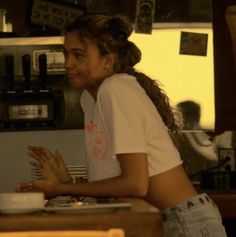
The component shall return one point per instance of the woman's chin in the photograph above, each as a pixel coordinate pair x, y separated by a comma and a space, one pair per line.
76, 84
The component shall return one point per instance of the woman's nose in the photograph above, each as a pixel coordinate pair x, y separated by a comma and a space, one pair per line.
68, 63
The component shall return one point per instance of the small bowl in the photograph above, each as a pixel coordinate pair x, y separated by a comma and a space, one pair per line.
13, 203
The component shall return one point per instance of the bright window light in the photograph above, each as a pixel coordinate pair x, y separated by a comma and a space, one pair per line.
183, 77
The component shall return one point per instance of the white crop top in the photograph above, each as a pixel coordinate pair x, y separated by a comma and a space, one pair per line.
124, 120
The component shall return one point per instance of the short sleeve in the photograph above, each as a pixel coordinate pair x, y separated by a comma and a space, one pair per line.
123, 116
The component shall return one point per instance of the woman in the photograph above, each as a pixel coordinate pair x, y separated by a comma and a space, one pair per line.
130, 131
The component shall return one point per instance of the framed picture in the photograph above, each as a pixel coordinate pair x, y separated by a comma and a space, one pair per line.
144, 16
192, 43
54, 15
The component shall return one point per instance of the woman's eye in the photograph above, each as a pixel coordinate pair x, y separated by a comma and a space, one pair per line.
65, 53
79, 55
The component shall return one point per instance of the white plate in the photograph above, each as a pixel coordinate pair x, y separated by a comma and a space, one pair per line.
19, 210
84, 208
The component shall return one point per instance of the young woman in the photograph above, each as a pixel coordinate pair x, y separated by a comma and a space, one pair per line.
130, 132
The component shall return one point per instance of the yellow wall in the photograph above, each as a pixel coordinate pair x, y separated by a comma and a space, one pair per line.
184, 77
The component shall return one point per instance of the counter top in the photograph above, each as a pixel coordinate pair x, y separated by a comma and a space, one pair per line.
141, 220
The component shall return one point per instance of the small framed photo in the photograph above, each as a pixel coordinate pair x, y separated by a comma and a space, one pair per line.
53, 15
144, 16
192, 43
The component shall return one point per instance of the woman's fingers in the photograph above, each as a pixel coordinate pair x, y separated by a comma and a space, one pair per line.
62, 171
46, 186
52, 166
58, 158
41, 154
36, 165
26, 187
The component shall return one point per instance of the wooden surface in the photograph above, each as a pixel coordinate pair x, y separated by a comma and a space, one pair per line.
141, 220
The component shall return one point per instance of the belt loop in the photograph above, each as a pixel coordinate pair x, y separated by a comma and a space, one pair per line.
201, 200
190, 204
207, 198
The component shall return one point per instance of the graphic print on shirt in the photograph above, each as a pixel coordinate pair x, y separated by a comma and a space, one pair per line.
97, 141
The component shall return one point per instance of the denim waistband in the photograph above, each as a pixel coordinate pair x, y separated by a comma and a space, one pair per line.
197, 216
196, 201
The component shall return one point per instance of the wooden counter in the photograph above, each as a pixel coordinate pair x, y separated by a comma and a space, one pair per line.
141, 220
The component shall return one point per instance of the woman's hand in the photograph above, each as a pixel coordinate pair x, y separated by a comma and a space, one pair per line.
51, 166
48, 187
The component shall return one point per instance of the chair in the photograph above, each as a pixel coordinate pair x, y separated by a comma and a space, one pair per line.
69, 233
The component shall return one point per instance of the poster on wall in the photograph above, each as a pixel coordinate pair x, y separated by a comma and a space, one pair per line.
145, 10
193, 43
53, 15
183, 11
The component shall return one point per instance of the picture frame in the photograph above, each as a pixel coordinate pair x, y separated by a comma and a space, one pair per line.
54, 15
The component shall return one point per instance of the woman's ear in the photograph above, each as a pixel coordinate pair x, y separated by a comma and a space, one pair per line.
110, 61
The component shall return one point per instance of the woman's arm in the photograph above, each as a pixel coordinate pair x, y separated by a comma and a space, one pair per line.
133, 182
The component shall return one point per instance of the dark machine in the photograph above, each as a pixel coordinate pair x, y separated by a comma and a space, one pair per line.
34, 93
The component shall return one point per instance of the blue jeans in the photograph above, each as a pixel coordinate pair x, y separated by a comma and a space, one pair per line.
196, 217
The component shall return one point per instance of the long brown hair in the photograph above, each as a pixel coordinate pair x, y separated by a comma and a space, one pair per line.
110, 34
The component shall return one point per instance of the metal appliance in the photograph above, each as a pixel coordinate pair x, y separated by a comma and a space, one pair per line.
33, 89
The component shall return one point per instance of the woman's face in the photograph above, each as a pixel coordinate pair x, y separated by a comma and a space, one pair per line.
85, 66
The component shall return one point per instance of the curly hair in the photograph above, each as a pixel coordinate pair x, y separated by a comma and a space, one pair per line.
110, 34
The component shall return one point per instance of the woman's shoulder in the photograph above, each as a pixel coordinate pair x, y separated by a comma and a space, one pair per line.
118, 82
118, 79
121, 85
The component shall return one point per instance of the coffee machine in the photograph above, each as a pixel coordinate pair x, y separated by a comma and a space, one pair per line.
33, 89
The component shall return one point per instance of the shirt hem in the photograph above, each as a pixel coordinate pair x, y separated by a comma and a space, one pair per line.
168, 168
